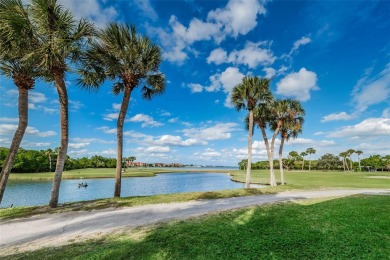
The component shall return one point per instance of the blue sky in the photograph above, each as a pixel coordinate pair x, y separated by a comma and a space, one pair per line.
332, 55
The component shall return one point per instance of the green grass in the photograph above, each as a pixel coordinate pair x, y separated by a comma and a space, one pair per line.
19, 212
349, 228
320, 179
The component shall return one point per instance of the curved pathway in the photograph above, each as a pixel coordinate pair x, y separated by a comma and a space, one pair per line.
56, 229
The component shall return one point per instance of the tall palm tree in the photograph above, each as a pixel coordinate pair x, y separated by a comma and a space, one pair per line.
310, 151
343, 155
350, 152
49, 152
303, 154
290, 129
16, 41
281, 112
61, 40
130, 60
247, 95
358, 152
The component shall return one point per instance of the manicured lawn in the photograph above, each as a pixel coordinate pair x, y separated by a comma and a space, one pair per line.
321, 179
349, 228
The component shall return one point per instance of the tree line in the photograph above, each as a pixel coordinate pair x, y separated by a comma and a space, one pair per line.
327, 162
42, 40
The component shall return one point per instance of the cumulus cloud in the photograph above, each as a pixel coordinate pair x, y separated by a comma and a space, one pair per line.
78, 145
269, 72
92, 140
111, 116
238, 17
372, 90
195, 88
298, 84
9, 119
337, 117
147, 9
147, 121
367, 128
251, 55
219, 131
6, 129
177, 141
154, 149
92, 10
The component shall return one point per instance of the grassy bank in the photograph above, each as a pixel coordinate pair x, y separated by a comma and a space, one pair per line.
18, 212
349, 228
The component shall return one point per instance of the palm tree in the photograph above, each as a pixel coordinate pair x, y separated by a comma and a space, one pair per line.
310, 151
290, 129
350, 152
132, 159
281, 112
61, 41
49, 152
16, 41
344, 155
303, 154
358, 152
247, 95
130, 60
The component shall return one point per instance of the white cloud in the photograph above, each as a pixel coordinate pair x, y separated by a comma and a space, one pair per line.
108, 152
92, 10
146, 7
147, 121
298, 84
9, 119
36, 97
252, 55
78, 145
111, 116
238, 17
386, 113
6, 129
269, 72
195, 88
217, 56
219, 131
225, 81
337, 117
116, 106
75, 105
177, 141
34, 144
173, 120
367, 128
92, 140
300, 42
154, 149
371, 91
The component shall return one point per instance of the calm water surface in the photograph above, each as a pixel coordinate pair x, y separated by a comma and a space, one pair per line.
32, 193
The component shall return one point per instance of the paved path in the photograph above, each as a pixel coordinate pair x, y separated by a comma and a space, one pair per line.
55, 229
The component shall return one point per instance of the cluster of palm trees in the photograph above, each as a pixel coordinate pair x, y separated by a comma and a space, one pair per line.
348, 154
42, 40
283, 117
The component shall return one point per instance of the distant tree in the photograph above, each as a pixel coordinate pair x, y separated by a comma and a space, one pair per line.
329, 162
350, 152
247, 95
310, 151
344, 156
242, 164
303, 154
358, 152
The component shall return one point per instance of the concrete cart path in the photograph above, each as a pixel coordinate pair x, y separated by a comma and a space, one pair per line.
61, 228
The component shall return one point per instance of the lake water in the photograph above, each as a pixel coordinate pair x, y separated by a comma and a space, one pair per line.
33, 193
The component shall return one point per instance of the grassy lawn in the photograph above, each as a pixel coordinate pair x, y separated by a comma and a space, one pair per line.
348, 228
321, 179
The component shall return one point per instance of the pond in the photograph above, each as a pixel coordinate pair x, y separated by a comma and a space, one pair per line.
33, 193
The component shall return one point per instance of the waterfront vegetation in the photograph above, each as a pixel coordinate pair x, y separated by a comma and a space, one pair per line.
355, 227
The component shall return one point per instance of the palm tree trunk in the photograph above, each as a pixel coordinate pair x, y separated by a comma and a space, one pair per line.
272, 173
64, 122
281, 161
310, 163
346, 163
303, 162
250, 135
119, 135
359, 163
50, 161
17, 139
343, 164
350, 157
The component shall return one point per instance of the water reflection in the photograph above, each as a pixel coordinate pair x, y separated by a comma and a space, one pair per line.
33, 193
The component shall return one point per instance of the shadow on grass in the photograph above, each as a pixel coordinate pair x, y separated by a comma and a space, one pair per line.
349, 228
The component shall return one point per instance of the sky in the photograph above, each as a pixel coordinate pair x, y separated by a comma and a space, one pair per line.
333, 56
